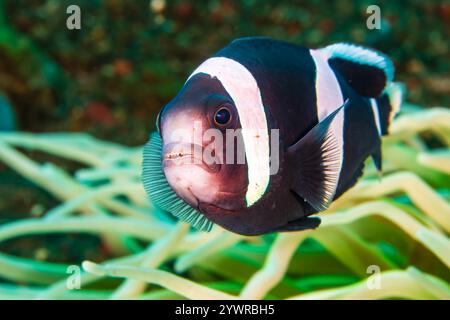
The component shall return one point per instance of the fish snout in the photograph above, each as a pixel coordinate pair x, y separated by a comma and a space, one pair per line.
188, 175
183, 153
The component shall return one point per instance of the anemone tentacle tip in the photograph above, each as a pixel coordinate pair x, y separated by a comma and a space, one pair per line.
93, 268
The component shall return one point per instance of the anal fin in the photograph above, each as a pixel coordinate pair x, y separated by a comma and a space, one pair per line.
377, 160
303, 223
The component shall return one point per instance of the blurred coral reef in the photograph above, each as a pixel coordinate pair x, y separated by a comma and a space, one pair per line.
130, 57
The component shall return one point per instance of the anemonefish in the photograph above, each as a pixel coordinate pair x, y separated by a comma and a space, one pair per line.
328, 109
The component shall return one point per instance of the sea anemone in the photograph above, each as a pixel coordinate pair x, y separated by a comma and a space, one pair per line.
385, 238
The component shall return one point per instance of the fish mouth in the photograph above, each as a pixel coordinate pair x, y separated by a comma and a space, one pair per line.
188, 154
203, 207
208, 208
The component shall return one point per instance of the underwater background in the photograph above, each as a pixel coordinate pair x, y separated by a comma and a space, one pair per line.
76, 106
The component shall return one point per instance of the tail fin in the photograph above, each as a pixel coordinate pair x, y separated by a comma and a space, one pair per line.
389, 104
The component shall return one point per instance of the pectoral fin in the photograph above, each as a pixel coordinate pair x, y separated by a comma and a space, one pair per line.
315, 159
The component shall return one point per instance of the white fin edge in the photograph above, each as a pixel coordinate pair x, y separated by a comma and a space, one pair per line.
395, 92
361, 55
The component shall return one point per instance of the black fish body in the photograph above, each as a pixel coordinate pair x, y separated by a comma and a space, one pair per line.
326, 110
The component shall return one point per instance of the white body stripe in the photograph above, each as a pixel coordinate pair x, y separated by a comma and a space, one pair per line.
243, 89
376, 115
329, 98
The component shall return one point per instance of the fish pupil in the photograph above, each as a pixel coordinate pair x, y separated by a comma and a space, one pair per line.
222, 116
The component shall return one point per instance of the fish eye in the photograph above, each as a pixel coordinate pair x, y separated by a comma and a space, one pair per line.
222, 116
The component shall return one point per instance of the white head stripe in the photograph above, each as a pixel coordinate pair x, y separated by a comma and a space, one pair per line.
243, 89
374, 105
329, 98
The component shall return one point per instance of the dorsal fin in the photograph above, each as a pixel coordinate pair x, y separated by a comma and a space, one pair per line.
367, 71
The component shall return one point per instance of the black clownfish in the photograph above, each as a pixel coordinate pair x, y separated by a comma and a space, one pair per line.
319, 113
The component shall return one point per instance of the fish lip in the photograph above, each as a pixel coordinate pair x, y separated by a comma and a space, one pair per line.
203, 208
193, 196
170, 156
199, 205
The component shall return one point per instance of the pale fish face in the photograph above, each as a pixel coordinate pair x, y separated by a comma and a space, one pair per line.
202, 148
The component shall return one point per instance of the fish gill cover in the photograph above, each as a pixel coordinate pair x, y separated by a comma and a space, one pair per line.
385, 238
